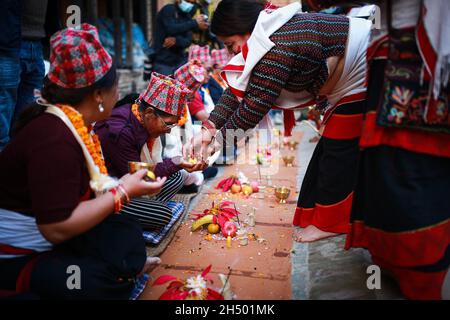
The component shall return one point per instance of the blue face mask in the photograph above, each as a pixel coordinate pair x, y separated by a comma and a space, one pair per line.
185, 6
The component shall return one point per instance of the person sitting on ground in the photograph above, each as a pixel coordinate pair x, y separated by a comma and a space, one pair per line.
58, 206
132, 133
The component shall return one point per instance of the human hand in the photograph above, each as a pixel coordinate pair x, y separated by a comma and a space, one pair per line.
192, 167
198, 144
135, 185
169, 42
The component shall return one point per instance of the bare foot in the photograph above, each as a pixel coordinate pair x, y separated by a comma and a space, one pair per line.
312, 233
315, 139
150, 264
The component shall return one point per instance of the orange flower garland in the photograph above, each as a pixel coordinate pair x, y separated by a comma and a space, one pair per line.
183, 118
136, 112
91, 141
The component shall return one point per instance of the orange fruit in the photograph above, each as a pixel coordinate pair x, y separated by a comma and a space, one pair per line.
213, 228
235, 188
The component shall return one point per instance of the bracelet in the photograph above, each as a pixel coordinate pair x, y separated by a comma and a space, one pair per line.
124, 193
117, 200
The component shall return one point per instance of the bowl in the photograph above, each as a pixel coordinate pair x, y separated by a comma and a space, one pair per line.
288, 160
282, 193
292, 145
134, 166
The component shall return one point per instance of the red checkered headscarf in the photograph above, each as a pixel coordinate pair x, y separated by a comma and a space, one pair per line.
77, 58
166, 94
200, 54
191, 74
220, 58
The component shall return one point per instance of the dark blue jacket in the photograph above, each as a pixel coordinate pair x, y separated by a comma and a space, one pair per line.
215, 90
172, 22
11, 25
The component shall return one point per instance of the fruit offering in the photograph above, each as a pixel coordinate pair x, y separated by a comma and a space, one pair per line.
213, 228
236, 188
227, 183
247, 190
217, 214
255, 186
229, 229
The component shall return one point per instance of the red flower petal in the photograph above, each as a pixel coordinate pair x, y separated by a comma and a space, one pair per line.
175, 285
214, 295
173, 294
206, 271
163, 279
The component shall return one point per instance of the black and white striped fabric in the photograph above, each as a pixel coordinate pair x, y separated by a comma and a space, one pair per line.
153, 213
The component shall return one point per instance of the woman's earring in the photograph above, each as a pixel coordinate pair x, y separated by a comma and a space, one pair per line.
100, 107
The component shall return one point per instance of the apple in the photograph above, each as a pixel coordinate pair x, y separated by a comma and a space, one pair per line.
235, 188
255, 186
229, 229
213, 228
247, 190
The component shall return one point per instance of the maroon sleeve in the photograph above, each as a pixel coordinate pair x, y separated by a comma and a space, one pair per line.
122, 151
56, 174
166, 168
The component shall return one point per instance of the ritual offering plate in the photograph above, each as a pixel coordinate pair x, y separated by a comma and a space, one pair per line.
288, 160
292, 145
135, 166
282, 193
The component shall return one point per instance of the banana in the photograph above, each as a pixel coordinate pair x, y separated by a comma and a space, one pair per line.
203, 220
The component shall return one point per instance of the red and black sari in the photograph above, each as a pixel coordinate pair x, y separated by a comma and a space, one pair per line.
401, 203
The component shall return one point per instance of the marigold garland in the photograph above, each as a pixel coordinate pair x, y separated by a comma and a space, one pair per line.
183, 118
136, 112
91, 141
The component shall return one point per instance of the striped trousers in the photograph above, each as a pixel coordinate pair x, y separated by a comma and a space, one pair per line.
153, 213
